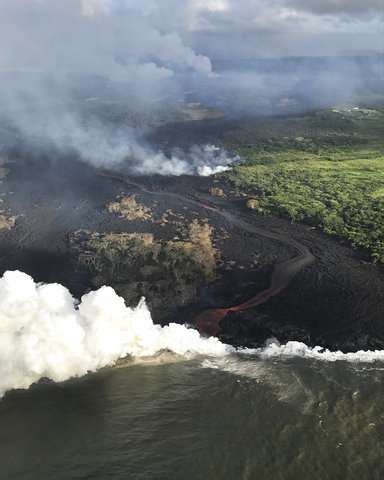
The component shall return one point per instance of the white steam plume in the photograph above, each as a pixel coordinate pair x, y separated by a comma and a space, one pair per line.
44, 335
103, 146
201, 160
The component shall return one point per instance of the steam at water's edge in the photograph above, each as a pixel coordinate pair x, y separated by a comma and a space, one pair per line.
44, 335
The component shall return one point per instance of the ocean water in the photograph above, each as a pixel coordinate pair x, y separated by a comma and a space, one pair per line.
239, 416
166, 403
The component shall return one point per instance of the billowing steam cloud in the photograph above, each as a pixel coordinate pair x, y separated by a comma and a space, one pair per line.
202, 160
44, 335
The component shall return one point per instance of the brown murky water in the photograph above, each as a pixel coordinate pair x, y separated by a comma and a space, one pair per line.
236, 417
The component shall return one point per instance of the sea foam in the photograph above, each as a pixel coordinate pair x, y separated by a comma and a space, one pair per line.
274, 349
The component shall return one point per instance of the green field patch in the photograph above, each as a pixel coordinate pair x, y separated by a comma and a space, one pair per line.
333, 180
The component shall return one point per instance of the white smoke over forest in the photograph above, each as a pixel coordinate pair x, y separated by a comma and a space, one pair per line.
70, 66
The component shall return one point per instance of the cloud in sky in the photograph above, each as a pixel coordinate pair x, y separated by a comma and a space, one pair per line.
273, 27
350, 7
284, 30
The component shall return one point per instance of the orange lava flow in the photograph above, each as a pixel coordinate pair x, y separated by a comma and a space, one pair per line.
208, 322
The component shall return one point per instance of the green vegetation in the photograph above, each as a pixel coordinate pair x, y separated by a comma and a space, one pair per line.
326, 169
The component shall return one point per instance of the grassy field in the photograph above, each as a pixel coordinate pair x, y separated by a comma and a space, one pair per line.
325, 169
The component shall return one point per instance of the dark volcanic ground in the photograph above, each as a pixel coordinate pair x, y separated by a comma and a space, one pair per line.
337, 302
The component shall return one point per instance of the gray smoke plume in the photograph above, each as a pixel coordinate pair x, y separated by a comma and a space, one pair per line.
90, 77
78, 77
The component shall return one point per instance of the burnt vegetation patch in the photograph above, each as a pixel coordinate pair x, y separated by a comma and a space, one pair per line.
167, 273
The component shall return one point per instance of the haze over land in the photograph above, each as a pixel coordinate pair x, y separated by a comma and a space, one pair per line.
90, 77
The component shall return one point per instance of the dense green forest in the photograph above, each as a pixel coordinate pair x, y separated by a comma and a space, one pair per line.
324, 169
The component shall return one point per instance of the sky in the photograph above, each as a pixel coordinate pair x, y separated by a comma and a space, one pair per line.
192, 33
289, 27
262, 28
